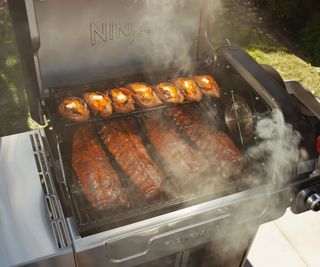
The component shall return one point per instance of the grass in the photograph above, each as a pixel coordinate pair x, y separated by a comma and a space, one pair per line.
241, 22
290, 67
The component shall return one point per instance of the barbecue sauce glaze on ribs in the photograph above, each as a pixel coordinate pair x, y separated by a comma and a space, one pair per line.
144, 95
127, 148
99, 103
215, 145
100, 183
74, 109
182, 160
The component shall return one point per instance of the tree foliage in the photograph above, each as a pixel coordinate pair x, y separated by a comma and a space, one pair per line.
301, 17
13, 107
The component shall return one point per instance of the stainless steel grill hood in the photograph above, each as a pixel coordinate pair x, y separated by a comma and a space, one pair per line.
78, 41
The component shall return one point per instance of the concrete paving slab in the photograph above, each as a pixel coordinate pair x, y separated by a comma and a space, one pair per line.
303, 233
271, 248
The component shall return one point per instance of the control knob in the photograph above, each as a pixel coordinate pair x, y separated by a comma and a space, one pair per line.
313, 202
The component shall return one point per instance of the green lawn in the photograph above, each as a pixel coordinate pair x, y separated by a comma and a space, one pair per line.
290, 67
241, 23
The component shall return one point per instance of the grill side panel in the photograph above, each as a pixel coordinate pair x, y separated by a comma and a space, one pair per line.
27, 231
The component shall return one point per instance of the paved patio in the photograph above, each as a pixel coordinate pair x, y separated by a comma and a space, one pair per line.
293, 241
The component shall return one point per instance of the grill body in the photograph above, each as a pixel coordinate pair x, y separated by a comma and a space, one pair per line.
190, 229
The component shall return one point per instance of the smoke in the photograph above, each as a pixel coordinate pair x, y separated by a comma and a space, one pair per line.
175, 28
273, 160
167, 44
278, 149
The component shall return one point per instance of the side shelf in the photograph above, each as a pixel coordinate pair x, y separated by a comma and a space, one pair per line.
27, 233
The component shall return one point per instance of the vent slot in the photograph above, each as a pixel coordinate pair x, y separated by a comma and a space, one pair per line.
63, 233
49, 207
56, 234
48, 184
38, 163
59, 231
51, 200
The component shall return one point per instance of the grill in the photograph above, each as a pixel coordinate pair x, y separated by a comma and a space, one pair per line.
91, 221
180, 226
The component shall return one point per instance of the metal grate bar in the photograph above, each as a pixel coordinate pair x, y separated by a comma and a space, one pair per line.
91, 220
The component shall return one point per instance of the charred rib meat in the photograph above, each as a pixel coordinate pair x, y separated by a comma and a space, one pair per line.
100, 183
127, 148
215, 145
183, 161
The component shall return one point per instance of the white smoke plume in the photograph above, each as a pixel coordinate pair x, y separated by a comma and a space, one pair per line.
278, 148
166, 43
175, 28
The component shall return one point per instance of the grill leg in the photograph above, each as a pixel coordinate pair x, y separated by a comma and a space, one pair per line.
178, 259
182, 259
185, 258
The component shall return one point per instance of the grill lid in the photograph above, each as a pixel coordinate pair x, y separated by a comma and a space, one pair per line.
78, 41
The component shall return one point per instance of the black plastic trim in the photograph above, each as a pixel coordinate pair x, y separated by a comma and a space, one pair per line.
247, 67
274, 74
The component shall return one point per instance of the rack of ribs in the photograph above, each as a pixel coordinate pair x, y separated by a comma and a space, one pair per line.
215, 145
100, 183
181, 159
128, 149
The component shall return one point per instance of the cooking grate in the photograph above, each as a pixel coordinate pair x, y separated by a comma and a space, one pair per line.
92, 221
172, 198
56, 95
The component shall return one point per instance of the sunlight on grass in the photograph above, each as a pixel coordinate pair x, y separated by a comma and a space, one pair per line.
290, 67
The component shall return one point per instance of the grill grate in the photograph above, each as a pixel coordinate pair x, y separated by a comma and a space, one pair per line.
173, 197
58, 94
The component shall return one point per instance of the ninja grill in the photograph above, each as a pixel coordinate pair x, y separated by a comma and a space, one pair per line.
68, 49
